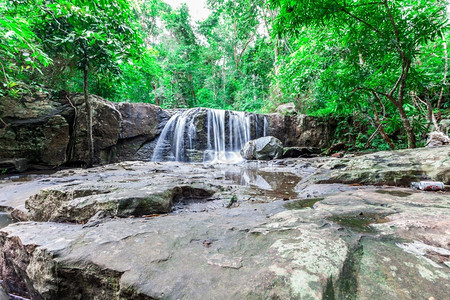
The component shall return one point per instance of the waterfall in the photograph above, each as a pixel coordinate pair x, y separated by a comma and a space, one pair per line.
208, 135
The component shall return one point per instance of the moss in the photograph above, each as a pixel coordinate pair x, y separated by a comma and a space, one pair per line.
301, 204
394, 193
359, 223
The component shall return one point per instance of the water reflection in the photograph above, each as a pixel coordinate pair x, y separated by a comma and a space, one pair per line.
276, 184
5, 219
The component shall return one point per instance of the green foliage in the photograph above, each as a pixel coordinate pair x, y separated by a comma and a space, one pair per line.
90, 33
371, 64
20, 49
353, 54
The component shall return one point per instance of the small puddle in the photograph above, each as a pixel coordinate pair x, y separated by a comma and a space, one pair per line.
5, 219
25, 176
274, 184
301, 204
393, 193
361, 222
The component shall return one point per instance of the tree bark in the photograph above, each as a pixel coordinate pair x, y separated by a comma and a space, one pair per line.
156, 96
88, 108
444, 81
407, 125
380, 127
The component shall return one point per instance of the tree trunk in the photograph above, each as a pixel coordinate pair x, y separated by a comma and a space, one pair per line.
380, 128
398, 103
88, 112
444, 81
276, 90
407, 125
156, 96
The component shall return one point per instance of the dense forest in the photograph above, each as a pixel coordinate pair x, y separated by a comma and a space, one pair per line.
379, 67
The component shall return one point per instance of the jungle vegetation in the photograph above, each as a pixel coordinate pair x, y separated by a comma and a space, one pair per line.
378, 67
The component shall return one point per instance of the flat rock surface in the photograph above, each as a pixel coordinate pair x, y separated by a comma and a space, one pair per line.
252, 231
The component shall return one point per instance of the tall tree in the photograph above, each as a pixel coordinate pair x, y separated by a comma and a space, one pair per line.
96, 35
382, 39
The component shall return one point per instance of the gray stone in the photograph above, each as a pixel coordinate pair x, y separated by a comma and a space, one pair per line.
138, 119
397, 168
37, 129
260, 249
106, 120
265, 148
354, 242
287, 109
115, 195
3, 294
300, 130
14, 165
437, 139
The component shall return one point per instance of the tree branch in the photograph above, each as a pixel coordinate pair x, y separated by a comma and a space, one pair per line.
243, 50
394, 27
444, 80
361, 20
4, 128
370, 90
4, 72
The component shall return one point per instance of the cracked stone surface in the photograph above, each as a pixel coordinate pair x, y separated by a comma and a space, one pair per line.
353, 242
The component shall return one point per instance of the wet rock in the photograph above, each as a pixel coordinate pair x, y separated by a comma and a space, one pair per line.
300, 130
413, 276
37, 129
320, 190
189, 270
3, 294
5, 219
294, 152
248, 150
140, 126
308, 131
106, 120
138, 119
265, 148
51, 131
398, 168
81, 202
13, 165
357, 243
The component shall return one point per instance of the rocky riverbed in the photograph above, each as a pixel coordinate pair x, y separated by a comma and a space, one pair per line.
319, 228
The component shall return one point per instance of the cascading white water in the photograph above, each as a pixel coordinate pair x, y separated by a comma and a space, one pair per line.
226, 133
170, 145
238, 134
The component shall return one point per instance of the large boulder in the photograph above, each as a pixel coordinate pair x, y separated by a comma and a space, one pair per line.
287, 109
46, 130
397, 168
300, 130
140, 126
138, 119
265, 148
35, 128
437, 139
106, 120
